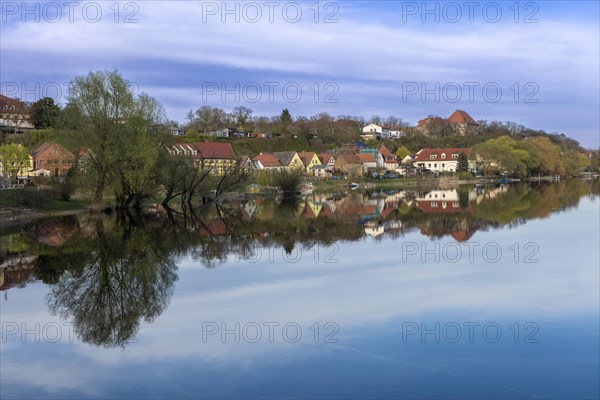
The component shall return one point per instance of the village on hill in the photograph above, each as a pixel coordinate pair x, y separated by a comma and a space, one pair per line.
322, 147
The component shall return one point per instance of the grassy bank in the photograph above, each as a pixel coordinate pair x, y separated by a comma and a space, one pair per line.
38, 201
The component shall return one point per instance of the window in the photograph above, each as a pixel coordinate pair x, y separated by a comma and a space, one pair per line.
433, 157
429, 165
443, 165
434, 204
455, 156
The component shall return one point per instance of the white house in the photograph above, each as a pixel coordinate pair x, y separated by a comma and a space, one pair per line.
441, 160
375, 129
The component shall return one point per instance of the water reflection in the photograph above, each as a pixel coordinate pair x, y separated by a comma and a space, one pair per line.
109, 274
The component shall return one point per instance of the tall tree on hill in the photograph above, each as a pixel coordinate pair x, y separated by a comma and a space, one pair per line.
44, 113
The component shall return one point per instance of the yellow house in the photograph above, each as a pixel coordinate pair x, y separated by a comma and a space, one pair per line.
309, 160
290, 160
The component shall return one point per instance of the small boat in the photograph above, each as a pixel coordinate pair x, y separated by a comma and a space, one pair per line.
354, 185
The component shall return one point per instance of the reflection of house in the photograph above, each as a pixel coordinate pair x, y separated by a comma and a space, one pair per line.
442, 201
441, 160
14, 116
54, 158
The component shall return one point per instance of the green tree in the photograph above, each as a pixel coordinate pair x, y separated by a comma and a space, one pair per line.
44, 113
103, 101
13, 158
575, 162
285, 117
463, 163
402, 152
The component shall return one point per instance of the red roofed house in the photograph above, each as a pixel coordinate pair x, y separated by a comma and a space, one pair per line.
266, 161
461, 122
368, 161
14, 116
390, 160
52, 157
219, 157
348, 164
441, 160
328, 160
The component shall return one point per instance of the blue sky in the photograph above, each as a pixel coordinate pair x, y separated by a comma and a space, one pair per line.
407, 59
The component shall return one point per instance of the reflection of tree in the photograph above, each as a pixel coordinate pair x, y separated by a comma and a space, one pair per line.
127, 277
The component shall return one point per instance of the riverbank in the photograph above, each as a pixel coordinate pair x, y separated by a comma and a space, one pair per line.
20, 206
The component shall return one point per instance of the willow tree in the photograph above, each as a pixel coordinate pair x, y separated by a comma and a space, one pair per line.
116, 133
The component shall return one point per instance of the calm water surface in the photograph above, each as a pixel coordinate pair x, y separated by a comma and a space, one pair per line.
483, 292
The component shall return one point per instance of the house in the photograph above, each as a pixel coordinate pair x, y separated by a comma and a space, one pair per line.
459, 123
393, 133
289, 160
376, 130
462, 123
54, 158
368, 161
229, 133
218, 157
441, 160
247, 165
266, 161
328, 160
376, 155
390, 160
348, 164
14, 116
309, 160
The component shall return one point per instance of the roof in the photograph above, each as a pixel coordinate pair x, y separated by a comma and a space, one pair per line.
215, 150
208, 149
461, 117
284, 157
366, 157
388, 156
306, 157
45, 146
324, 157
425, 154
425, 120
8, 105
267, 160
350, 158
